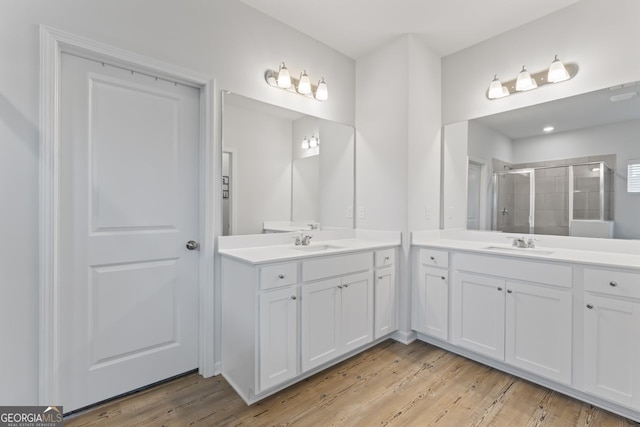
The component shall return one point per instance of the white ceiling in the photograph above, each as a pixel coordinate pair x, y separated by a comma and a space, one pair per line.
357, 27
567, 114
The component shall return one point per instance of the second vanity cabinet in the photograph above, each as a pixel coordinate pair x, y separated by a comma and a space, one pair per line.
430, 312
612, 335
282, 320
524, 323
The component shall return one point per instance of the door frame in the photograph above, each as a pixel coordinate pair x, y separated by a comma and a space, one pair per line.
233, 189
53, 43
482, 219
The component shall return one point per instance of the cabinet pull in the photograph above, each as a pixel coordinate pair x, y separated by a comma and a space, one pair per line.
380, 277
293, 297
509, 291
499, 288
613, 283
346, 286
280, 276
386, 258
339, 286
590, 306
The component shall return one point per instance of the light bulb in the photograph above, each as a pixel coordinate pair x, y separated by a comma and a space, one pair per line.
284, 78
496, 90
524, 81
305, 143
322, 94
304, 84
557, 71
313, 142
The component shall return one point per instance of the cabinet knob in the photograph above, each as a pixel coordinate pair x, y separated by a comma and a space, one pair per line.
339, 286
293, 297
346, 286
386, 258
442, 277
613, 283
590, 306
499, 288
280, 276
509, 291
432, 258
379, 277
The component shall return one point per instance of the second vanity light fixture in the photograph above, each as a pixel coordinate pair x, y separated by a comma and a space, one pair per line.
282, 79
557, 72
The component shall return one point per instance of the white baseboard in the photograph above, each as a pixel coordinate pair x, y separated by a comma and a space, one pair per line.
404, 337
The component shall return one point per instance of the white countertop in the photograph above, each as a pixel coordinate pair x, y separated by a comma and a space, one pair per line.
260, 250
559, 254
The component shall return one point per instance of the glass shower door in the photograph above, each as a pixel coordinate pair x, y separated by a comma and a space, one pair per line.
513, 203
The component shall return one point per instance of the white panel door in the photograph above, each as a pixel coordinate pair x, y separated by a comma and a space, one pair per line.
612, 349
278, 336
431, 306
321, 311
478, 321
538, 330
357, 311
129, 203
385, 302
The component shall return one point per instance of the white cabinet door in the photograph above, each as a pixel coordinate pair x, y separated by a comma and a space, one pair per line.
357, 311
478, 320
278, 336
385, 302
431, 303
612, 349
538, 330
321, 312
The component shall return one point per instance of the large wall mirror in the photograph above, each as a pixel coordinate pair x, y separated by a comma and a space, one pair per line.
284, 170
558, 168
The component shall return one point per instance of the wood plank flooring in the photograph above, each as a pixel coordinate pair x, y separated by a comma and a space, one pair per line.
389, 385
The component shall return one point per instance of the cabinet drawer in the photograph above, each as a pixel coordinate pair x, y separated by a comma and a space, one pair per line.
385, 258
612, 282
336, 266
434, 258
274, 276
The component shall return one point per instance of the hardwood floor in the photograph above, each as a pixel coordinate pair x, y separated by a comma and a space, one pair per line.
390, 384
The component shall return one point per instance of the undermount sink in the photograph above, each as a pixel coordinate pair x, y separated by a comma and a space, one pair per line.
520, 250
316, 248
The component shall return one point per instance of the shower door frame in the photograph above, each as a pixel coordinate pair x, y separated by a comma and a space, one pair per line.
532, 196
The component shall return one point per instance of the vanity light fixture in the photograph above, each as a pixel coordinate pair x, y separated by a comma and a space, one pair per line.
282, 79
312, 142
548, 128
557, 72
305, 143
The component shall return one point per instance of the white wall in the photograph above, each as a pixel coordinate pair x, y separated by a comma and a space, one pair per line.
595, 34
456, 136
398, 123
262, 145
222, 38
305, 190
618, 138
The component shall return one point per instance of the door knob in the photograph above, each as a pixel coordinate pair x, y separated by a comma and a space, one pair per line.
192, 245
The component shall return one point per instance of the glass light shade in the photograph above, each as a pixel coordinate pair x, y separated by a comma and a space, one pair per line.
322, 94
305, 143
304, 84
271, 79
557, 71
496, 90
284, 78
524, 81
313, 142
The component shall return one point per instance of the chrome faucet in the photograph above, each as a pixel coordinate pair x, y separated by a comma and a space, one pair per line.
519, 242
302, 239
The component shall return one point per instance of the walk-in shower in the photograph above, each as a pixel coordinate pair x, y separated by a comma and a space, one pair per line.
555, 200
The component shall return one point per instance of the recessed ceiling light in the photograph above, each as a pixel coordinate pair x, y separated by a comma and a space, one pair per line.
548, 128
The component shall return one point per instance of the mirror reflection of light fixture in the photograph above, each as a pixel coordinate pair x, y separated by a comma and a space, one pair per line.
557, 72
312, 142
305, 143
282, 79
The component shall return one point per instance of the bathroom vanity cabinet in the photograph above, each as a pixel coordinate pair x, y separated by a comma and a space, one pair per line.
560, 321
283, 321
